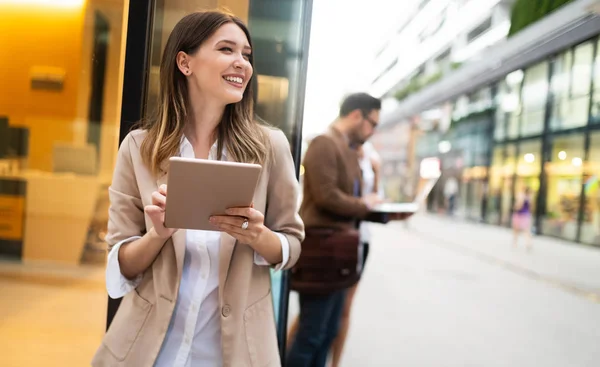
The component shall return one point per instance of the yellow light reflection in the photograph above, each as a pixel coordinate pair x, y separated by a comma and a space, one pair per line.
53, 3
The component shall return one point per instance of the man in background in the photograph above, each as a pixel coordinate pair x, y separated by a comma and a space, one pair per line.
332, 199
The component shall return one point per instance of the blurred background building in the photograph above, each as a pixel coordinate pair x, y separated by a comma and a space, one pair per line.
505, 94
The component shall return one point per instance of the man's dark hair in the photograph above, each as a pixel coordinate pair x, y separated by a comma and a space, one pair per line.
359, 101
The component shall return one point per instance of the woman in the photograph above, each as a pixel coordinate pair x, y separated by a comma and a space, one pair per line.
521, 219
369, 163
199, 298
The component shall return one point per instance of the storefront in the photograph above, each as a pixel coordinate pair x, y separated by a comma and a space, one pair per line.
542, 132
76, 76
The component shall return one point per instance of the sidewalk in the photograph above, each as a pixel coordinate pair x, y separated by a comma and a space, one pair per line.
567, 265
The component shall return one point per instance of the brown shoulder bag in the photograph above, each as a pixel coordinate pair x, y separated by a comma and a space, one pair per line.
329, 261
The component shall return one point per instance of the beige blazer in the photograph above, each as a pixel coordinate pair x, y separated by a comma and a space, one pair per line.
247, 317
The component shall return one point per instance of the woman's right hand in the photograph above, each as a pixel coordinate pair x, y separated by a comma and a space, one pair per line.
156, 212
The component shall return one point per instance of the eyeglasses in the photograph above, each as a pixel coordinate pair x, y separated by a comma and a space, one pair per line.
373, 123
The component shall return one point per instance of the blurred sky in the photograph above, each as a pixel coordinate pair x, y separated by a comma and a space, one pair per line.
345, 36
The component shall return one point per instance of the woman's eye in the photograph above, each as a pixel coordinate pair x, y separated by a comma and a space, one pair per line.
227, 49
247, 56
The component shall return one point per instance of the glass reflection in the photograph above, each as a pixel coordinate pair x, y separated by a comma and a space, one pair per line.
528, 169
61, 67
534, 95
564, 172
590, 227
495, 186
508, 174
571, 87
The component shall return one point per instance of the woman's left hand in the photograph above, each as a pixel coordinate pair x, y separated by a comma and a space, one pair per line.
234, 223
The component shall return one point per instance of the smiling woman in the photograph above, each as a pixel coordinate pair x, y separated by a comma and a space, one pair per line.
205, 111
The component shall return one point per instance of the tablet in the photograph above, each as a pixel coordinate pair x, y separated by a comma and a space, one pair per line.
199, 188
409, 207
396, 208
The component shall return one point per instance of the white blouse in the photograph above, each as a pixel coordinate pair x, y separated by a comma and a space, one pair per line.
194, 334
368, 184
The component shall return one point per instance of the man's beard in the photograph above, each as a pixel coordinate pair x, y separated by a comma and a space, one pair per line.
356, 139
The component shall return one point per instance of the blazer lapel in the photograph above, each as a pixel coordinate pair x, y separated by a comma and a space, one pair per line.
225, 252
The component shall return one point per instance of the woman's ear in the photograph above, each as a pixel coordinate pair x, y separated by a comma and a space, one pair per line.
183, 63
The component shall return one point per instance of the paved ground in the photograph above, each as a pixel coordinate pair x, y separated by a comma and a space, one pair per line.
439, 293
50, 316
450, 293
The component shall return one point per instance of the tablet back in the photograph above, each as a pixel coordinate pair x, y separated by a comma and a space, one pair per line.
199, 188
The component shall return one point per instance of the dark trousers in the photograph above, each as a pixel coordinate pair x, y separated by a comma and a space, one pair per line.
318, 327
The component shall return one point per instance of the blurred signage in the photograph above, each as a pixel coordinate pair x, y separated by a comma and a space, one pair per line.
11, 217
430, 168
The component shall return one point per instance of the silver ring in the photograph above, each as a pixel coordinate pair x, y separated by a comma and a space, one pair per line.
245, 224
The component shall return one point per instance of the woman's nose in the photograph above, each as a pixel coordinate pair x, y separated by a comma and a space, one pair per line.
239, 62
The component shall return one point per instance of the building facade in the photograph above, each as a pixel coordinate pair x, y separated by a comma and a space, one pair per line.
437, 37
527, 116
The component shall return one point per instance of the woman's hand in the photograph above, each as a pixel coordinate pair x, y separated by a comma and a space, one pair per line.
234, 224
156, 212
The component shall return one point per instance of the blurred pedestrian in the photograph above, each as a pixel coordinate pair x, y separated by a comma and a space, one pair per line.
521, 218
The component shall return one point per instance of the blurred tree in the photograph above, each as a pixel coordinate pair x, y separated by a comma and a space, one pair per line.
526, 12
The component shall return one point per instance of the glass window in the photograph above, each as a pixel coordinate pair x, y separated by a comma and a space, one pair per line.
564, 171
534, 95
571, 87
582, 69
472, 140
494, 189
508, 172
595, 108
528, 168
61, 67
511, 104
561, 77
501, 117
480, 100
500, 127
590, 227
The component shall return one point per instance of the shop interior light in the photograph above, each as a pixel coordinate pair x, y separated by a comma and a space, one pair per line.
444, 146
529, 158
515, 77
562, 155
577, 162
510, 102
54, 3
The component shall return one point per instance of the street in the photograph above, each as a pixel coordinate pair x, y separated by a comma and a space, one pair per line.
441, 292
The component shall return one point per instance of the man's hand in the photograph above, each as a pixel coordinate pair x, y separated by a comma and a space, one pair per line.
372, 200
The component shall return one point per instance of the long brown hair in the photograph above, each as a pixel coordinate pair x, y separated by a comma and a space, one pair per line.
238, 131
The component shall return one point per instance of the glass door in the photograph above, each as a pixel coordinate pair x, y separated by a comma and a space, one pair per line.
61, 71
